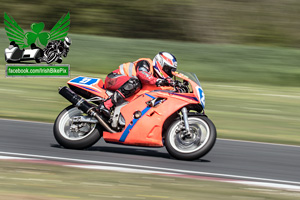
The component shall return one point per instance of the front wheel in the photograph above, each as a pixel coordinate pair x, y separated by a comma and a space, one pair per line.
193, 145
76, 135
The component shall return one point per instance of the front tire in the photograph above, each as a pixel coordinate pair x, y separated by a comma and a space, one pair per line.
75, 135
194, 146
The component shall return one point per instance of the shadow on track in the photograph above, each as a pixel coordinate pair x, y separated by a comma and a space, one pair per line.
152, 152
131, 151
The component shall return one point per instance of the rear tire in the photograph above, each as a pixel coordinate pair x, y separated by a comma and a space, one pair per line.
199, 143
37, 60
86, 135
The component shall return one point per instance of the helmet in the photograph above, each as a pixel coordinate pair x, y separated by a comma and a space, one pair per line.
67, 42
164, 63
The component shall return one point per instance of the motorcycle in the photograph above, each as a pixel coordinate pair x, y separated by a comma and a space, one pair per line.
170, 116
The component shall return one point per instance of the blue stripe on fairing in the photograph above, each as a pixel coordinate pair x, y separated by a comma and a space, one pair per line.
134, 121
193, 98
131, 125
150, 96
87, 88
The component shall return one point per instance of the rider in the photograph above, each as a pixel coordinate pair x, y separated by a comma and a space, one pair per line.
128, 79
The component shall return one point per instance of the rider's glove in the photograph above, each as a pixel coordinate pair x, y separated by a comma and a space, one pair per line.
170, 82
180, 90
165, 82
161, 82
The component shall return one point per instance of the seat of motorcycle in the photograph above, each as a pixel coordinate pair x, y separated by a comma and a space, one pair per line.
100, 83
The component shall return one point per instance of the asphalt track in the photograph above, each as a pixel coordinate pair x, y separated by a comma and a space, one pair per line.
228, 159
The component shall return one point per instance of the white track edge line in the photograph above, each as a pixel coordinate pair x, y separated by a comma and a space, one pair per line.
254, 142
151, 167
27, 121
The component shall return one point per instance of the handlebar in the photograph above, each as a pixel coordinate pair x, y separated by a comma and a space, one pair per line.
181, 87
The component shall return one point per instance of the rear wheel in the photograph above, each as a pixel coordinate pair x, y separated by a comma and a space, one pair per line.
193, 145
75, 135
37, 60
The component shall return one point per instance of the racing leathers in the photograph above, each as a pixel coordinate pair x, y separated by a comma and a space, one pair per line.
128, 79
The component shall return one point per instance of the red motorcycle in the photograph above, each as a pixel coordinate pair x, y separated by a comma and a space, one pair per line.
155, 116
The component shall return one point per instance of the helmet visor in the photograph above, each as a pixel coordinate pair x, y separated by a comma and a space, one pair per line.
168, 70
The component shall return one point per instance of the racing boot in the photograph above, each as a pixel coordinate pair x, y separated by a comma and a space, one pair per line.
126, 90
104, 107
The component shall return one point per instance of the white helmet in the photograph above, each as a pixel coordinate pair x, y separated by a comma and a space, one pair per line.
67, 42
164, 63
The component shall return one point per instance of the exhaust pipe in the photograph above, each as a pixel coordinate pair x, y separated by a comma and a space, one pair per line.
83, 105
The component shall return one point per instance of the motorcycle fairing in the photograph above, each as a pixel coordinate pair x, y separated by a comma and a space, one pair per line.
197, 89
84, 80
192, 97
131, 125
92, 85
147, 130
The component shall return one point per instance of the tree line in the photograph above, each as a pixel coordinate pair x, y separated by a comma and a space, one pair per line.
255, 22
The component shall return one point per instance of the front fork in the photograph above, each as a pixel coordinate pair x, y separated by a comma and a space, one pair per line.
184, 112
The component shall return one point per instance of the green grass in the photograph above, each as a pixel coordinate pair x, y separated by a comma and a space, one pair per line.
38, 181
252, 93
255, 112
35, 99
211, 62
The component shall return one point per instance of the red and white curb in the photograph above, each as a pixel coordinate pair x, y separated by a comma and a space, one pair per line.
99, 165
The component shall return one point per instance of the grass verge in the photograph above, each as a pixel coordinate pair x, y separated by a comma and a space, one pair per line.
45, 182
